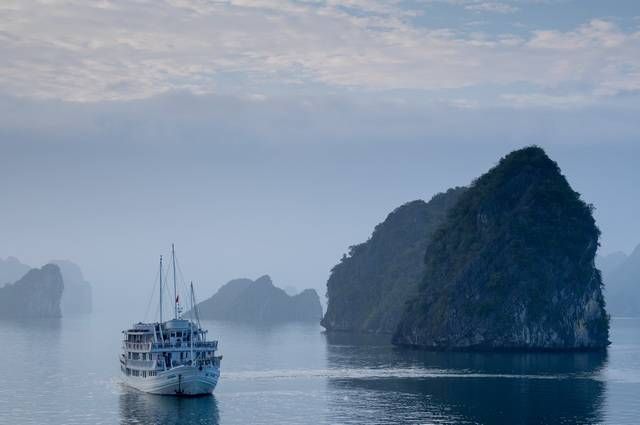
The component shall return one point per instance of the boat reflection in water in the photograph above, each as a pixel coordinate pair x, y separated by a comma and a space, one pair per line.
412, 386
137, 407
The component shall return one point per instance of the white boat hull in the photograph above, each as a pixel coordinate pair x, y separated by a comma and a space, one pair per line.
181, 380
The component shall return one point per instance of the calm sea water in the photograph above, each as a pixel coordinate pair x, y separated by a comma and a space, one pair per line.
66, 372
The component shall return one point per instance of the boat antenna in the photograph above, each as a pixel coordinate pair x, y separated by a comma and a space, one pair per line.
161, 289
175, 290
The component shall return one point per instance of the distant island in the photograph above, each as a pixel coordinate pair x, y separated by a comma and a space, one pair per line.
77, 297
11, 270
621, 276
77, 294
36, 295
368, 289
508, 264
259, 301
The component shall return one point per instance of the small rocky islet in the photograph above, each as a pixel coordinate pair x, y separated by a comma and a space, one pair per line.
38, 291
260, 302
36, 295
621, 273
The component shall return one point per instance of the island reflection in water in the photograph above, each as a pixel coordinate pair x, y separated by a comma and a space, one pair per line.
137, 407
412, 386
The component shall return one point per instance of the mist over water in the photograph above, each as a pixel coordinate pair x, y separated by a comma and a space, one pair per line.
66, 372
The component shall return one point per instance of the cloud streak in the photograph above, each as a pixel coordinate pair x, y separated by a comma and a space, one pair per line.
493, 7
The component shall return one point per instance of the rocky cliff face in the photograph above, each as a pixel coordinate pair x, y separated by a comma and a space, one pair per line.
36, 294
77, 296
368, 289
259, 301
512, 267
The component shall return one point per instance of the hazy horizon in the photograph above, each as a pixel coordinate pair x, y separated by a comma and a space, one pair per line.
261, 215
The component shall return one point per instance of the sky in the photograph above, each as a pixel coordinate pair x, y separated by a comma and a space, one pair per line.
266, 137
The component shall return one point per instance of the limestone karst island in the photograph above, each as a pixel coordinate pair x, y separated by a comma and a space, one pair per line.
507, 263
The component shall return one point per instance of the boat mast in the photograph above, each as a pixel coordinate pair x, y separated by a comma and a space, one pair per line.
160, 324
175, 290
161, 289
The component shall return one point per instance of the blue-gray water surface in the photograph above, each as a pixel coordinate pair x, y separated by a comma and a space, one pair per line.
66, 372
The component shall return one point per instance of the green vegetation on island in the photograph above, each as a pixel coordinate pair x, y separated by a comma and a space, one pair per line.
512, 267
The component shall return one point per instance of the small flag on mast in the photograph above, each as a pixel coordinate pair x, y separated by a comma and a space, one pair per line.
177, 299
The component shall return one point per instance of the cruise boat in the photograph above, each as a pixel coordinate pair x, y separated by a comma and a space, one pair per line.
170, 357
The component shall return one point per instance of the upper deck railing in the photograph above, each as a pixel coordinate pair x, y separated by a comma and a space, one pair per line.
137, 346
148, 346
213, 345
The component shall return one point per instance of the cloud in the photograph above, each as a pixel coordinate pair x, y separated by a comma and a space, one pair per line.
595, 34
117, 49
492, 7
548, 100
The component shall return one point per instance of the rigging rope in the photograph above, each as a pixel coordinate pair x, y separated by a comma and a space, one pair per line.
155, 279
